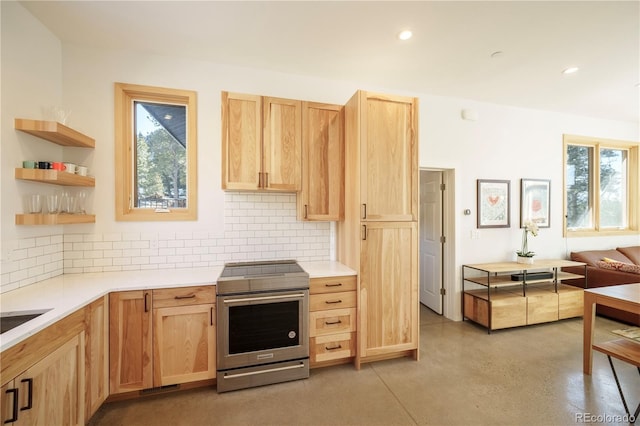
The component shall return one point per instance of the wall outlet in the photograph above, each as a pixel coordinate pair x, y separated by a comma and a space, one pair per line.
475, 234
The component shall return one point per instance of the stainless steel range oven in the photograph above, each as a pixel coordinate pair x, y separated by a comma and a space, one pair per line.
263, 324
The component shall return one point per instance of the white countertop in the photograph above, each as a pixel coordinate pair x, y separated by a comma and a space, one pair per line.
65, 294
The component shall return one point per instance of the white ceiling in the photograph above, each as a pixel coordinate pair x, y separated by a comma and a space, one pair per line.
450, 53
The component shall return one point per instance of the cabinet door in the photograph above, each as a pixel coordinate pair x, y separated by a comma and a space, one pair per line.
241, 141
96, 355
282, 144
184, 344
57, 384
322, 196
130, 349
389, 158
388, 288
9, 401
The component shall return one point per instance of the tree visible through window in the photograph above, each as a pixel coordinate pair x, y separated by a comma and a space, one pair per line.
160, 157
601, 179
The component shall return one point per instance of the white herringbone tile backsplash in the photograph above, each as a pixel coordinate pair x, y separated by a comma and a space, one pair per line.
256, 226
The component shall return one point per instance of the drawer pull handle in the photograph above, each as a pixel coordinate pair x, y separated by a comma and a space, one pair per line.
29, 405
188, 296
333, 285
331, 302
333, 348
14, 417
333, 322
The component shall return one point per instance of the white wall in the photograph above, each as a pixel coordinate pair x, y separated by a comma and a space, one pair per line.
31, 81
508, 143
505, 143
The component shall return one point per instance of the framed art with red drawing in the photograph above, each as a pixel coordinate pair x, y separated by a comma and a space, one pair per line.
535, 202
494, 209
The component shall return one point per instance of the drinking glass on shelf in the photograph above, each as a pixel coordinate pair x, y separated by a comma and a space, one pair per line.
81, 202
34, 203
52, 203
66, 203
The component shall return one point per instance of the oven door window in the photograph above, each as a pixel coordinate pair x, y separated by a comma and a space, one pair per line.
258, 327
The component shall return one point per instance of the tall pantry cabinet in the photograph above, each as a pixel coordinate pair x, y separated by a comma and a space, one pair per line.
379, 236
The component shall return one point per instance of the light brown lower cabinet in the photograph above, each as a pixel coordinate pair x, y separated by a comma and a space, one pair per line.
50, 392
332, 324
161, 337
96, 355
130, 353
388, 295
184, 342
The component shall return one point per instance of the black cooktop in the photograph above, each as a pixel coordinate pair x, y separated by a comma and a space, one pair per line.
257, 269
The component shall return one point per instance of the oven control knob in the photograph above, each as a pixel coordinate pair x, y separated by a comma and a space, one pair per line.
292, 334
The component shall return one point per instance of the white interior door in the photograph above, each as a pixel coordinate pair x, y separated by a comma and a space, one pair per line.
430, 243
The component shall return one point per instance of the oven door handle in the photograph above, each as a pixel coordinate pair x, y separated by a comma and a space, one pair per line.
261, 298
270, 370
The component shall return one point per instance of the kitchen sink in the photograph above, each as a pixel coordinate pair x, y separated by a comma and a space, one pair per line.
10, 320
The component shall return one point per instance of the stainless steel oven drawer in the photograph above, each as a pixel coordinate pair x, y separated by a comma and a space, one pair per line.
248, 377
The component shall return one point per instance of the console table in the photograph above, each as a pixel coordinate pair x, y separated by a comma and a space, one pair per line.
509, 294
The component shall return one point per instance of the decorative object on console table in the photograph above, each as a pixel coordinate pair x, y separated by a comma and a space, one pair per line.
493, 203
524, 255
535, 205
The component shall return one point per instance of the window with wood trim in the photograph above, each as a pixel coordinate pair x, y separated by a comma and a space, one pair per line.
601, 186
156, 153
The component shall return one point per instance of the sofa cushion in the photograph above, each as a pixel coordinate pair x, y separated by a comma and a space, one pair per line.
620, 266
632, 253
592, 257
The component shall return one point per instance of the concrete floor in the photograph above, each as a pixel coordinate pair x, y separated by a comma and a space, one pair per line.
523, 376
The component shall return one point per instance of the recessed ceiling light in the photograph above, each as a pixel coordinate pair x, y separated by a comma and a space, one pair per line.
570, 70
405, 35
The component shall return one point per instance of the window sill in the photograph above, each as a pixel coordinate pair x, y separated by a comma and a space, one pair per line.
604, 233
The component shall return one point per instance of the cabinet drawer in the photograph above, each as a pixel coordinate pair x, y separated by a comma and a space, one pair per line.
183, 296
333, 321
570, 301
322, 302
542, 304
332, 284
332, 347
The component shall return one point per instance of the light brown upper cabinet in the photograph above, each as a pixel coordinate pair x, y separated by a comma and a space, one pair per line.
322, 196
261, 143
156, 153
388, 157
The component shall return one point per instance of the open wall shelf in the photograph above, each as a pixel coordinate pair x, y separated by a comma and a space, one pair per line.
54, 219
55, 132
55, 177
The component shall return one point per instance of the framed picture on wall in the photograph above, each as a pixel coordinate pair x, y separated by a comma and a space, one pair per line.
535, 202
493, 203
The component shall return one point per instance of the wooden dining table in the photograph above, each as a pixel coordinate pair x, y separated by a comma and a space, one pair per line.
625, 297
